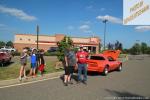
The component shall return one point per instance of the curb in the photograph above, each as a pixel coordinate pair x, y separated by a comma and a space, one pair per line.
6, 83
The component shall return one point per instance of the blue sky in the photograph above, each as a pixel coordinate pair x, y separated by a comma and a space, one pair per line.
79, 18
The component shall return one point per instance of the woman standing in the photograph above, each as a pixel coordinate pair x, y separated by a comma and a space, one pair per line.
23, 60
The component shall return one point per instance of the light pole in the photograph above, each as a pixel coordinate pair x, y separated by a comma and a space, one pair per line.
105, 21
37, 30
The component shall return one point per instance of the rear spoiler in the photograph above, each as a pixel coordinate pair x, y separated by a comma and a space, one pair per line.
112, 53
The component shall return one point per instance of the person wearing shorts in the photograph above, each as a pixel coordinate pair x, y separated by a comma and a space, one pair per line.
33, 63
70, 60
23, 61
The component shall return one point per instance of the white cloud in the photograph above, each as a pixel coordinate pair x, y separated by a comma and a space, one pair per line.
85, 28
17, 13
142, 28
110, 19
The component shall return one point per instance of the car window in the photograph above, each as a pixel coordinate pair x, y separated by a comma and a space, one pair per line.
97, 58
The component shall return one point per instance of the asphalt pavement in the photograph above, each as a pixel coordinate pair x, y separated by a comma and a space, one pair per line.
133, 83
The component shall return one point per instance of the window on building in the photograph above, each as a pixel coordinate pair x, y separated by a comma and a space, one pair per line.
20, 38
29, 39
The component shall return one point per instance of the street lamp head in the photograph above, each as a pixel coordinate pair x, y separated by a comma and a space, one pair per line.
104, 21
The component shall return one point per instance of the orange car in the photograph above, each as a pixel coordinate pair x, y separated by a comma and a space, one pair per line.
105, 62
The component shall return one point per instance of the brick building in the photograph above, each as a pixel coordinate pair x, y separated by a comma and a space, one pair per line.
46, 41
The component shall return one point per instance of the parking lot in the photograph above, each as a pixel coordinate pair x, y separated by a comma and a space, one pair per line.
130, 84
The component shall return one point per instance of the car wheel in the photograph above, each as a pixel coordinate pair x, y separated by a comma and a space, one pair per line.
105, 72
119, 68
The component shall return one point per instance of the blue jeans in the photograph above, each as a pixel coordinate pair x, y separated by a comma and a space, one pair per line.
82, 67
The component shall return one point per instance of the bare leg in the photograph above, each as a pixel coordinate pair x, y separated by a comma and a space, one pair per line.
31, 72
21, 72
24, 71
65, 79
34, 71
69, 77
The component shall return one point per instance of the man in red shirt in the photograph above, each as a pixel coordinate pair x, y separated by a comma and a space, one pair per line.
82, 65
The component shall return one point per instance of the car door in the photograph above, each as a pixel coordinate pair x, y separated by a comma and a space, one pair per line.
112, 63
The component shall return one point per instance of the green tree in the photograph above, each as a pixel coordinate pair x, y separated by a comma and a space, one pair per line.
118, 45
9, 43
62, 46
143, 47
136, 49
2, 43
148, 50
110, 46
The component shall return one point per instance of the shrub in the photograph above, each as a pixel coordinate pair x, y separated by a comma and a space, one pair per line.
62, 46
16, 53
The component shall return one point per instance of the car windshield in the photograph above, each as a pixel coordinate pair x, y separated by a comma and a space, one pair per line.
97, 58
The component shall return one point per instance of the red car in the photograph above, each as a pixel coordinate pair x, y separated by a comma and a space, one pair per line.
5, 57
105, 62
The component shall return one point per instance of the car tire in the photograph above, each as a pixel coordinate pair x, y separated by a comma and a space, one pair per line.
105, 72
119, 68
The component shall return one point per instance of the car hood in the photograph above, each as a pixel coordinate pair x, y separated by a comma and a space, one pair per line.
113, 53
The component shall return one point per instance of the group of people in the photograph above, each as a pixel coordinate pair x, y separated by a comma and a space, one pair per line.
36, 60
75, 61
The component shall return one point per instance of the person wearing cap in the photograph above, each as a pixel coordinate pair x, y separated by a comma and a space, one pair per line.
82, 65
23, 61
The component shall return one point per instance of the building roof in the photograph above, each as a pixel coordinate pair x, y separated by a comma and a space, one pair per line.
30, 34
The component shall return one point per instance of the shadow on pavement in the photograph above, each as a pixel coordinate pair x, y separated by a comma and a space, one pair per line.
74, 77
62, 77
94, 74
125, 95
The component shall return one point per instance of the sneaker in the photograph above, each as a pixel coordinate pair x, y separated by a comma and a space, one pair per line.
20, 79
84, 82
25, 77
65, 84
